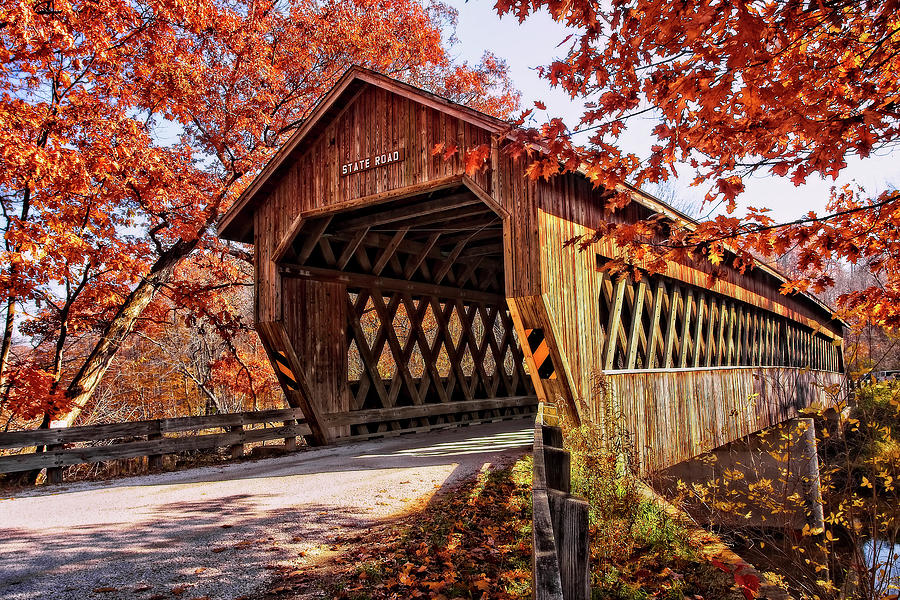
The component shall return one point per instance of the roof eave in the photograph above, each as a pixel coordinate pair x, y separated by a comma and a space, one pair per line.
235, 228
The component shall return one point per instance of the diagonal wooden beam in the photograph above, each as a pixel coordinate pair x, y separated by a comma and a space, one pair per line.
369, 359
732, 334
350, 249
615, 323
686, 329
671, 334
287, 240
428, 358
312, 239
397, 352
414, 261
469, 271
720, 336
327, 252
698, 330
448, 262
291, 375
636, 316
388, 251
656, 335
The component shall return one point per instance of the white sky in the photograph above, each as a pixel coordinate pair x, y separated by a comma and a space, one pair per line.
535, 43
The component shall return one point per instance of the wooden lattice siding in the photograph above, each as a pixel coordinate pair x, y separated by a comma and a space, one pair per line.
407, 351
660, 323
674, 415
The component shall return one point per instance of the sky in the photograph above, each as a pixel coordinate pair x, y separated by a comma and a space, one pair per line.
536, 42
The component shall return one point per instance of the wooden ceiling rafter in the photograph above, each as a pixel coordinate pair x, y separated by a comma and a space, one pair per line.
450, 239
384, 217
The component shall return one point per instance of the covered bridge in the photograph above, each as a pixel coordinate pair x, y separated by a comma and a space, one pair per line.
394, 292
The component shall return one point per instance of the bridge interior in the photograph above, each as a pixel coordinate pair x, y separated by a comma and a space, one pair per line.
429, 340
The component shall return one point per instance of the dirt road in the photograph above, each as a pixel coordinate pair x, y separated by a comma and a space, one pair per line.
212, 532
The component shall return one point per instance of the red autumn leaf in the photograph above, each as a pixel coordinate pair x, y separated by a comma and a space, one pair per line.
112, 215
821, 91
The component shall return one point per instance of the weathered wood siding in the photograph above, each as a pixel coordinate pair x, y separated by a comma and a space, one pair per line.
674, 415
571, 318
374, 121
522, 250
315, 318
571, 198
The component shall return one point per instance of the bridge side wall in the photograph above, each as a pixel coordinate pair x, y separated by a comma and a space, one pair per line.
677, 414
713, 362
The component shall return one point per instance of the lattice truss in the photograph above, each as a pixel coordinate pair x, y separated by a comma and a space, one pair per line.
406, 351
661, 323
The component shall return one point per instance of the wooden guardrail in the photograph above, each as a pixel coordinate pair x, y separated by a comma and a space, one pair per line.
148, 438
560, 529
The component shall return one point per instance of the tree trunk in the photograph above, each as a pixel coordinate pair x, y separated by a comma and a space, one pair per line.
5, 347
30, 477
85, 382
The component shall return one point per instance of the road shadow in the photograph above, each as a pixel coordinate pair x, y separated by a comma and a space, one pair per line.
197, 545
223, 547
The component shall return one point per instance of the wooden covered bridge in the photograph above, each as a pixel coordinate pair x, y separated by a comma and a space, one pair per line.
394, 292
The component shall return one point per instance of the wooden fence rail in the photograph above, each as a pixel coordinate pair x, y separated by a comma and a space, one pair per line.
148, 438
155, 444
560, 528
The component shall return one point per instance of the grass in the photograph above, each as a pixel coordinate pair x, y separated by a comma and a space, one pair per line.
638, 551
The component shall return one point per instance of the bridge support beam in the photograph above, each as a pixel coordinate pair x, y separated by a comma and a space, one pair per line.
767, 479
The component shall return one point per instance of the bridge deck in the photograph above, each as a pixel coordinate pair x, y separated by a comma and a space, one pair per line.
163, 531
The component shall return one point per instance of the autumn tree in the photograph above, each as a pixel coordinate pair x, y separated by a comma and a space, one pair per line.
129, 127
789, 88
738, 88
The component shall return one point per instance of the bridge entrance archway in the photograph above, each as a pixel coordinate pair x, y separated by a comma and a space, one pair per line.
396, 312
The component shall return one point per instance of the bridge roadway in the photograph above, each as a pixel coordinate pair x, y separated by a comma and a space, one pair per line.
216, 529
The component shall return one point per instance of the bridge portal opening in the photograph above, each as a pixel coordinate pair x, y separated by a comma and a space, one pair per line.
397, 311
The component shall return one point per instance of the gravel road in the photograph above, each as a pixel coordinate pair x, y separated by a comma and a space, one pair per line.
218, 532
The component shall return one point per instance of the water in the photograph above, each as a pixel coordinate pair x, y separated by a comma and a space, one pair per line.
887, 559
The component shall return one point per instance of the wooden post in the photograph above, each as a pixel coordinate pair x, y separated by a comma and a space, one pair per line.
290, 443
54, 474
545, 559
552, 436
237, 450
558, 463
570, 532
155, 461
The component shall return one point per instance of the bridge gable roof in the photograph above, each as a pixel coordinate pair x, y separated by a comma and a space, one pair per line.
236, 224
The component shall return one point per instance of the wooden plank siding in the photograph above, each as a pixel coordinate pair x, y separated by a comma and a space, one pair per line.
374, 121
676, 414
